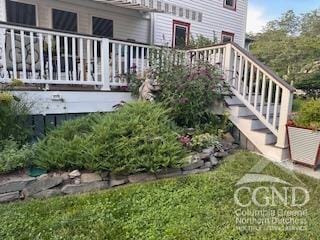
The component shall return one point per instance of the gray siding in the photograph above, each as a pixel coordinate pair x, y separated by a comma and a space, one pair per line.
216, 19
128, 24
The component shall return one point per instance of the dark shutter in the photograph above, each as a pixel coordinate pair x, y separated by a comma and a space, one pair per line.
21, 13
65, 21
102, 27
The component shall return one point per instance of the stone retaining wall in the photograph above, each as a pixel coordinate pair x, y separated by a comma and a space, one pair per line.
76, 182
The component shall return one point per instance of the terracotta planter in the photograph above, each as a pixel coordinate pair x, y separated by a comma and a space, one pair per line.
304, 146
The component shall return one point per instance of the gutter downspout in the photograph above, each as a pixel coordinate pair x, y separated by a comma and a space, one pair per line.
152, 27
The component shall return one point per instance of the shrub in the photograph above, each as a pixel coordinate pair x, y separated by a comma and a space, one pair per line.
12, 157
13, 118
138, 137
189, 92
203, 141
309, 115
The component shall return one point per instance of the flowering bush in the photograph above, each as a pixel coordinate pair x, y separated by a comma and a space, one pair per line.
189, 92
203, 141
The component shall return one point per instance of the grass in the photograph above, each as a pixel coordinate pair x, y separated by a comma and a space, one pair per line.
194, 207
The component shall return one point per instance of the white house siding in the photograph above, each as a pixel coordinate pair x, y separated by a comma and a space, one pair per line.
215, 19
127, 24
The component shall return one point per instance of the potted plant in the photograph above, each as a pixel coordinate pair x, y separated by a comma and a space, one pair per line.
304, 135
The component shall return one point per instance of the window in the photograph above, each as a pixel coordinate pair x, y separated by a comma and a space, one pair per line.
21, 13
181, 32
102, 27
65, 21
230, 4
227, 37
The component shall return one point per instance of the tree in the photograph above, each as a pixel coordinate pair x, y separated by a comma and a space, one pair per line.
289, 45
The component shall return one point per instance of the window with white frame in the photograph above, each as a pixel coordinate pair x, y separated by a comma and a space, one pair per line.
230, 4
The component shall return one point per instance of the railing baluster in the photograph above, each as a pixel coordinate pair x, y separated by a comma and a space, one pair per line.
58, 57
269, 100
251, 83
276, 104
126, 59
42, 74
235, 62
245, 83
23, 55
74, 60
263, 92
142, 61
33, 67
119, 60
131, 59
113, 62
256, 92
89, 60
95, 56
66, 58
50, 57
240, 74
81, 69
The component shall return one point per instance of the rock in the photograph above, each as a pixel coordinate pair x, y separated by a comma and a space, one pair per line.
77, 181
142, 177
204, 156
196, 171
74, 174
207, 165
90, 177
169, 173
41, 185
193, 165
228, 138
105, 176
48, 193
214, 161
9, 197
221, 154
84, 187
65, 176
43, 176
15, 185
208, 150
117, 182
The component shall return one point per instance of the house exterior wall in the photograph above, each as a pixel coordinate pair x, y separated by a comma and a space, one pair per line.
127, 24
215, 20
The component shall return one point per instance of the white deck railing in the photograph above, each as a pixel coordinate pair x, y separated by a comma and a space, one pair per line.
41, 56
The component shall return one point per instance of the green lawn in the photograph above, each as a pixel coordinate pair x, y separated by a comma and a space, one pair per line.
196, 207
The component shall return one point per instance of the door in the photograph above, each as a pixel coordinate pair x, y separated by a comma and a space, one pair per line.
181, 33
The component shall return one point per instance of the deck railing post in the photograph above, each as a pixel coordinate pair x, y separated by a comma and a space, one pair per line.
285, 111
105, 66
228, 62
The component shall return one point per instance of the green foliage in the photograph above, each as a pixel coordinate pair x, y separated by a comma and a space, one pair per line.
289, 45
203, 141
138, 137
309, 115
12, 157
13, 117
186, 208
189, 93
200, 41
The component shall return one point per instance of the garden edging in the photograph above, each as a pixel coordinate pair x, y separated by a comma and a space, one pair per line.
75, 182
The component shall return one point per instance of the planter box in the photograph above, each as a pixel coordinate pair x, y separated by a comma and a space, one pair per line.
304, 146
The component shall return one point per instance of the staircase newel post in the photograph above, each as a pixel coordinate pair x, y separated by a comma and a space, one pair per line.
105, 66
285, 112
228, 63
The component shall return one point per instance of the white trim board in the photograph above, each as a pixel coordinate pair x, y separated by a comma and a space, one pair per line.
64, 102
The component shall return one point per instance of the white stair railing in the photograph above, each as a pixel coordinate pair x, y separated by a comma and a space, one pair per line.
266, 95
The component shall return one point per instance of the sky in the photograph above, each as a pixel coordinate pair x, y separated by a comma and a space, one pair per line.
262, 11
